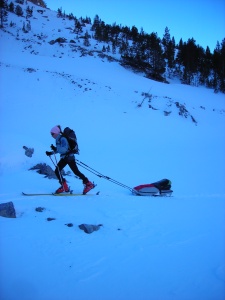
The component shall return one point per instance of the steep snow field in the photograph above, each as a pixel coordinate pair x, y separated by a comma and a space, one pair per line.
148, 248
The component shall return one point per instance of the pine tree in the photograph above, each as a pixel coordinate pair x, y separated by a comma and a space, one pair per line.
28, 26
206, 67
77, 26
179, 57
124, 47
3, 13
86, 39
99, 30
11, 7
59, 12
29, 12
219, 67
19, 11
168, 47
171, 53
155, 57
222, 83
113, 47
3, 4
166, 39
134, 33
96, 23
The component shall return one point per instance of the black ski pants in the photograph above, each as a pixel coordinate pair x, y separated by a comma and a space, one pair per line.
73, 166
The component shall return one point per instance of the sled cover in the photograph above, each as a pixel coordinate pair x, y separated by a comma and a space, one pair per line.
160, 188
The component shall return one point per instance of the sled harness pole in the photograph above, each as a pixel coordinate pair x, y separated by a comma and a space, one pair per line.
102, 176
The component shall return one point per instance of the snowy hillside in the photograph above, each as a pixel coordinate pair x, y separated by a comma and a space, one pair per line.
130, 128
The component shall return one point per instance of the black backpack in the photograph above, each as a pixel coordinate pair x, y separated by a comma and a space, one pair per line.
70, 135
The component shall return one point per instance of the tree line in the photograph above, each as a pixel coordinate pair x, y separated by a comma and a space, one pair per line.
159, 59
163, 58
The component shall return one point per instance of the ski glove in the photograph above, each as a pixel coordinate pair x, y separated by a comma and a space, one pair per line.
49, 153
53, 148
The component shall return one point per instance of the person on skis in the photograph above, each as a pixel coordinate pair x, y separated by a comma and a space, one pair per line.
66, 158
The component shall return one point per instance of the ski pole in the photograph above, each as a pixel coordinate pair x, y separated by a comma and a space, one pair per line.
60, 174
56, 165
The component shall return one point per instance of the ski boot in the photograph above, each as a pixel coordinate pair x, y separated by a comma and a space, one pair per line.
87, 187
63, 188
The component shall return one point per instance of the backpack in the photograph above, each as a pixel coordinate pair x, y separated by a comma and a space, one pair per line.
70, 135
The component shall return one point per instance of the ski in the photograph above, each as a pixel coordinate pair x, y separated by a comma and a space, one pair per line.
54, 194
73, 194
69, 193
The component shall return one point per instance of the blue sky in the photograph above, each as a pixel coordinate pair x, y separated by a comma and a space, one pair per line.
203, 20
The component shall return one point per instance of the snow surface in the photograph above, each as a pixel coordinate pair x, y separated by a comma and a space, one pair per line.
148, 248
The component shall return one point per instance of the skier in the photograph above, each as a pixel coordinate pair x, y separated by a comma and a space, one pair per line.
66, 158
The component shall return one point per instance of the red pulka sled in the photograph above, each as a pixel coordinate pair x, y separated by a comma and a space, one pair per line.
159, 188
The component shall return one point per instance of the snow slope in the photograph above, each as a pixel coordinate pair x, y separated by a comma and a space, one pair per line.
147, 248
